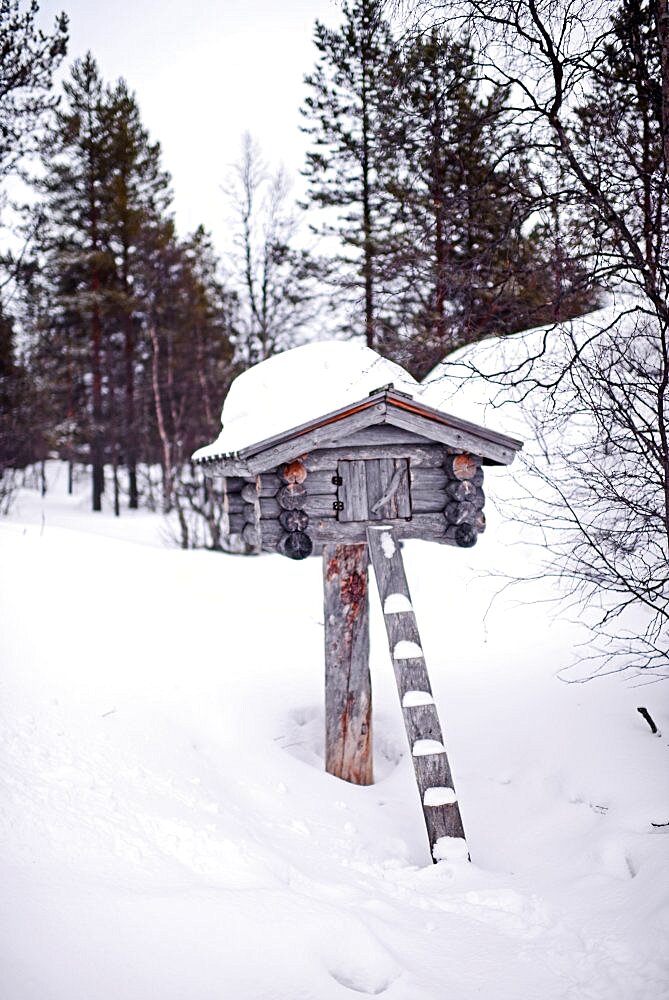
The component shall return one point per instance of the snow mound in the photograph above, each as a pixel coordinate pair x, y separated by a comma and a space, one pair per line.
300, 385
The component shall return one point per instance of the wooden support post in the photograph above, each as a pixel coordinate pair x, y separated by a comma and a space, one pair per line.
348, 689
433, 773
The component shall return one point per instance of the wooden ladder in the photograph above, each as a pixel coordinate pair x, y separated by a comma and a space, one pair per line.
430, 761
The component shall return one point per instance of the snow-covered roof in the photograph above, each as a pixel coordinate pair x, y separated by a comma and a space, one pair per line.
325, 383
292, 388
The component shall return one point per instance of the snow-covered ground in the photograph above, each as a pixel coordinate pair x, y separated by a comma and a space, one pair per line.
168, 830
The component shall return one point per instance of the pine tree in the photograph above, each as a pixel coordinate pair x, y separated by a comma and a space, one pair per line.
350, 91
621, 127
466, 266
104, 187
28, 60
76, 187
138, 197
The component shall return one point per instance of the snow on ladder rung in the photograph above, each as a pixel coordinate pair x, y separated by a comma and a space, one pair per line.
415, 699
423, 748
396, 604
441, 796
407, 649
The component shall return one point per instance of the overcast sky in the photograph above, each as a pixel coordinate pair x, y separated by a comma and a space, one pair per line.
202, 75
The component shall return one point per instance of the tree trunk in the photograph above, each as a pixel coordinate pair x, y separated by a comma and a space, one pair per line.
160, 418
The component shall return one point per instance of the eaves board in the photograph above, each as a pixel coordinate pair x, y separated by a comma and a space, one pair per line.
450, 430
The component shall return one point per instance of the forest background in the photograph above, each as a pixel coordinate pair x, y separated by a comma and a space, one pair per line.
474, 169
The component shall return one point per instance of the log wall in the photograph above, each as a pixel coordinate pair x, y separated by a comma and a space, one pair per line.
293, 508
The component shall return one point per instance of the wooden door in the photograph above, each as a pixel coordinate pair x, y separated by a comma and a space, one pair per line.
373, 490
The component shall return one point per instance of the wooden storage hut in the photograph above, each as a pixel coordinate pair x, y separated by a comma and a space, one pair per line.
387, 458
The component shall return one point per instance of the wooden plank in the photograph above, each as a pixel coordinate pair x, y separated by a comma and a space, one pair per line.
353, 491
311, 440
325, 530
383, 434
428, 501
428, 753
229, 467
236, 524
234, 484
398, 401
317, 506
455, 437
225, 516
400, 502
234, 504
257, 525
429, 456
422, 478
318, 482
348, 690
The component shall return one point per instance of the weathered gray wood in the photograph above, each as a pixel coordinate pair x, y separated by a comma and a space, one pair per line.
293, 520
462, 535
237, 523
428, 501
318, 506
385, 407
292, 497
460, 491
423, 479
421, 721
353, 491
270, 484
295, 545
250, 492
429, 526
310, 440
235, 503
451, 434
234, 484
429, 455
250, 535
255, 508
479, 522
348, 690
382, 434
229, 467
225, 516
388, 489
461, 513
324, 530
319, 482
